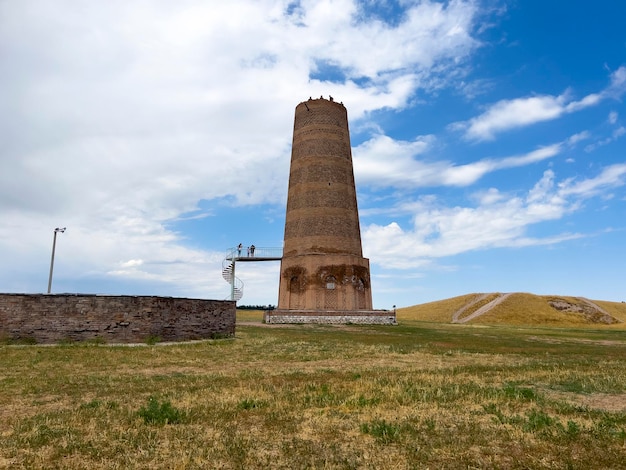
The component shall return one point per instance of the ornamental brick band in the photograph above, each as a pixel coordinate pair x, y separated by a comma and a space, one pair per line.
116, 319
320, 147
365, 317
311, 226
333, 198
311, 174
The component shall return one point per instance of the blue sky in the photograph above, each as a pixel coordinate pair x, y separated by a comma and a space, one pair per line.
488, 141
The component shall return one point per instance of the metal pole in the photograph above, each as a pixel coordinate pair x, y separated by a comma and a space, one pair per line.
54, 244
232, 280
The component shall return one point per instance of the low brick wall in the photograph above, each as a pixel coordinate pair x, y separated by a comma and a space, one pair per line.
340, 317
113, 318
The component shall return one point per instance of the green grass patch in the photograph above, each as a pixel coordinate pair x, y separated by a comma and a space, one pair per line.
382, 430
164, 412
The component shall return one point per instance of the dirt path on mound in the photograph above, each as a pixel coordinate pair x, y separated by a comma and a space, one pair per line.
481, 311
457, 314
594, 305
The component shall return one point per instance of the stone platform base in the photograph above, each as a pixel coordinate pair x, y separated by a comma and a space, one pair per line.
340, 317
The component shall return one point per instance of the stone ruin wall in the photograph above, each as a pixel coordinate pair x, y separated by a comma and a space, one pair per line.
113, 319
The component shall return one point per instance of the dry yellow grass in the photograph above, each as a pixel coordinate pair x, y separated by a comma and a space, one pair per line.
246, 315
529, 309
421, 395
417, 395
617, 309
439, 311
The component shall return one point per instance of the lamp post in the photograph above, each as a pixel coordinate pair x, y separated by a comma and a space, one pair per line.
54, 244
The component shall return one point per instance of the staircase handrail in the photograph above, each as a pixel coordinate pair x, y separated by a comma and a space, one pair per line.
236, 284
259, 252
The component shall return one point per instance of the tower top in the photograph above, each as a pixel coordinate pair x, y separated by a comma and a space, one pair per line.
330, 98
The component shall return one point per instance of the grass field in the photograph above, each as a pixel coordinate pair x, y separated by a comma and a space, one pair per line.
417, 395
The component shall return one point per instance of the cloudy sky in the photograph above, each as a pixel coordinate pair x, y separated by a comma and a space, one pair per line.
488, 142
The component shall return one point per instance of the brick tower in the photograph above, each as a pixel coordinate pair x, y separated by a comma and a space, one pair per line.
324, 277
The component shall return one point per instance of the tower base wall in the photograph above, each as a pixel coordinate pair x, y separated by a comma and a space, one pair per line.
325, 282
339, 317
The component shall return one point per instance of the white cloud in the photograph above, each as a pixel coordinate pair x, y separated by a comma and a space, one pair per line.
121, 116
520, 112
618, 83
509, 114
574, 139
612, 176
616, 134
498, 220
382, 162
429, 32
131, 263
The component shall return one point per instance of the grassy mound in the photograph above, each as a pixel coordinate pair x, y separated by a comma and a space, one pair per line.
522, 309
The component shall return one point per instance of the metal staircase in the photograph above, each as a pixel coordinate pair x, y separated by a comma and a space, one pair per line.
239, 254
228, 273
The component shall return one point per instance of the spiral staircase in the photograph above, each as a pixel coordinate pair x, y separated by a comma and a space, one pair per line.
238, 254
228, 273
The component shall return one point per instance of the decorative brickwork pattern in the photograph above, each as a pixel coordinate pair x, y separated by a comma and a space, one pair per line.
334, 116
322, 147
315, 174
331, 198
321, 226
115, 319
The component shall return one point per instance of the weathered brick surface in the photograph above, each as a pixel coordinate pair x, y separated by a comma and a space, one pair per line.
116, 319
322, 147
311, 174
334, 116
322, 226
321, 201
325, 282
332, 198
